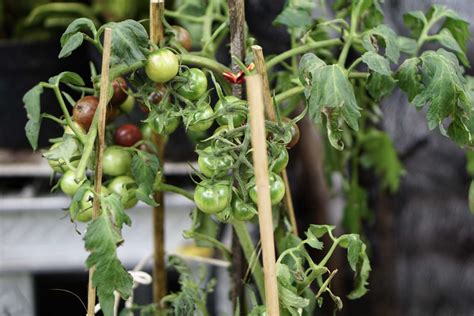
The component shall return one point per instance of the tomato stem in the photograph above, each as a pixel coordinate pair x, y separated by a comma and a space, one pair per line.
171, 188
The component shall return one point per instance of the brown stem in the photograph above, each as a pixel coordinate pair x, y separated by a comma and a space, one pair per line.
157, 8
91, 293
259, 61
237, 49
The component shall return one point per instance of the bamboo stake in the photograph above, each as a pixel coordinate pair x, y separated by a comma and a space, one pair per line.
103, 99
260, 160
237, 49
259, 61
157, 8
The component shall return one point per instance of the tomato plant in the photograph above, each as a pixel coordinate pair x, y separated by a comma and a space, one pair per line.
336, 70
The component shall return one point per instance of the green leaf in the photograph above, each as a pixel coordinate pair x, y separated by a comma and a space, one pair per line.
101, 240
296, 16
379, 86
415, 21
445, 90
67, 77
390, 40
65, 151
129, 42
379, 154
446, 38
290, 300
315, 232
31, 101
145, 167
409, 78
112, 203
76, 27
73, 42
458, 27
308, 65
471, 197
407, 45
377, 63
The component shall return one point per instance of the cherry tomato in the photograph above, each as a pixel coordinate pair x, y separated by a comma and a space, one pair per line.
146, 131
68, 183
295, 133
162, 65
128, 105
60, 165
195, 86
200, 119
125, 187
280, 160
237, 117
119, 85
242, 211
84, 110
211, 165
116, 161
277, 189
165, 124
225, 216
183, 37
84, 211
68, 130
127, 135
212, 198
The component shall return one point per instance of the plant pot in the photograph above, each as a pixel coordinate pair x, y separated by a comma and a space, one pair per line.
24, 64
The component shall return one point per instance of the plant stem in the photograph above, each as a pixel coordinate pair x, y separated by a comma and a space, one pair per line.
171, 188
360, 75
208, 63
354, 64
352, 35
328, 255
88, 148
424, 34
249, 251
301, 49
67, 116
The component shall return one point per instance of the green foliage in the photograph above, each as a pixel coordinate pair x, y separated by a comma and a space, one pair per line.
296, 16
31, 100
102, 239
145, 167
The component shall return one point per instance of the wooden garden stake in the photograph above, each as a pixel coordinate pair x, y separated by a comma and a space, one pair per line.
157, 8
260, 162
237, 49
103, 99
259, 62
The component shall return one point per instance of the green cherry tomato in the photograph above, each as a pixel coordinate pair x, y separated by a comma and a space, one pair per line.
242, 211
125, 187
145, 129
200, 119
212, 198
128, 105
68, 183
277, 189
225, 216
116, 161
83, 211
280, 160
237, 117
162, 65
211, 165
165, 124
195, 86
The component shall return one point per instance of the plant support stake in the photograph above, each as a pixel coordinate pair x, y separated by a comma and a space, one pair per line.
260, 160
103, 99
259, 61
157, 8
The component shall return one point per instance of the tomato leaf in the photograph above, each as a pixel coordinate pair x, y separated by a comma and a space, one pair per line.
145, 167
315, 232
409, 79
72, 44
296, 16
407, 45
67, 77
380, 86
129, 41
64, 151
76, 27
379, 154
101, 240
446, 38
390, 40
377, 63
415, 21
31, 101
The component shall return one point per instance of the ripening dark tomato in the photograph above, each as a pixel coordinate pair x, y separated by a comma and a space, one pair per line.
183, 37
195, 86
237, 117
277, 189
295, 133
200, 118
211, 165
84, 110
162, 65
68, 183
242, 211
280, 159
127, 135
212, 198
126, 188
116, 161
155, 97
119, 85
